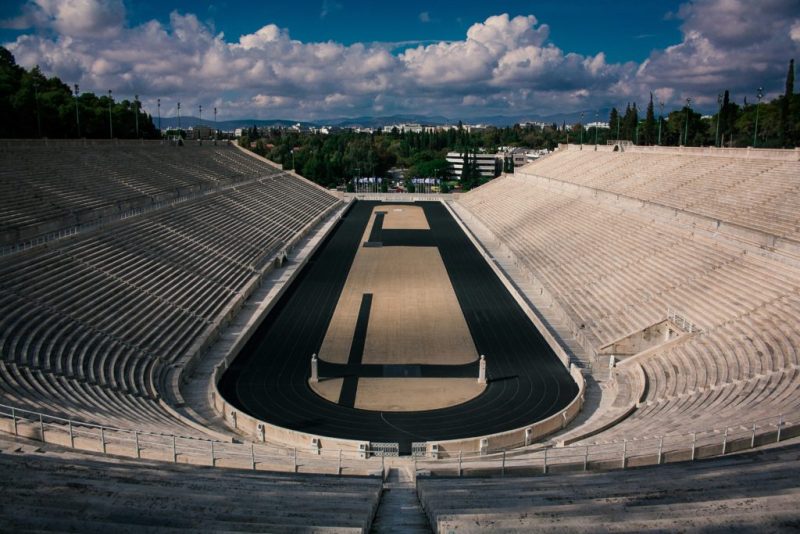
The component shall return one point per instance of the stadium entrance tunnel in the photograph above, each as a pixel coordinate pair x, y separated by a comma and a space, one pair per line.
397, 305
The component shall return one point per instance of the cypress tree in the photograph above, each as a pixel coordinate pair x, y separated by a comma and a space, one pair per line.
784, 128
649, 123
613, 118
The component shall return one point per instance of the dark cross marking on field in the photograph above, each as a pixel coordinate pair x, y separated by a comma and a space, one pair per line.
377, 229
355, 369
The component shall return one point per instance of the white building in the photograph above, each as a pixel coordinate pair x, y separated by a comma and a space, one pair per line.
533, 155
518, 155
412, 127
599, 125
485, 163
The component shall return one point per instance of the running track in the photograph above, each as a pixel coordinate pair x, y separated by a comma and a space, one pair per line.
268, 379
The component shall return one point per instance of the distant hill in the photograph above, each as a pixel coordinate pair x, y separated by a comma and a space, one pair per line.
379, 122
227, 125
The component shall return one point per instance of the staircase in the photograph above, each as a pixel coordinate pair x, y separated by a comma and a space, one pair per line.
399, 509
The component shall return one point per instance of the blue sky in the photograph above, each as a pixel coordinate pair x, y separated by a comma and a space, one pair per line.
625, 30
581, 26
331, 58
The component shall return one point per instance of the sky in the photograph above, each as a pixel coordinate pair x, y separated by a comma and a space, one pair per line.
312, 60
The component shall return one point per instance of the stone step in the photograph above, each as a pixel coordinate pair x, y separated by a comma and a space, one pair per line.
399, 509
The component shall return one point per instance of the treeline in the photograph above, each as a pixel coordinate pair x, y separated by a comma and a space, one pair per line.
335, 158
32, 106
733, 125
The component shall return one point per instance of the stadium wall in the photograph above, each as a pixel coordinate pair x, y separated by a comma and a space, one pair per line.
780, 154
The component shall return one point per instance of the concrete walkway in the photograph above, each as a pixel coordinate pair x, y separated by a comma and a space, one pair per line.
399, 509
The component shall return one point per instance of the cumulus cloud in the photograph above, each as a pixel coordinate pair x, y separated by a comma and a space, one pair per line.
727, 44
74, 18
503, 64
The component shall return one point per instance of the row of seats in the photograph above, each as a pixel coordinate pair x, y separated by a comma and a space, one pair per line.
758, 193
44, 188
755, 492
97, 494
614, 272
89, 324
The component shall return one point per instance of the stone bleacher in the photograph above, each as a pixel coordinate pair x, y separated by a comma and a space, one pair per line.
613, 271
89, 325
757, 193
753, 492
66, 492
52, 186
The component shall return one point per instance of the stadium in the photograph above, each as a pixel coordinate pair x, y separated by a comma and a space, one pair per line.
331, 305
213, 321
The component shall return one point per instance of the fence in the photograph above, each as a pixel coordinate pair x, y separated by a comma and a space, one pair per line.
183, 449
201, 451
618, 454
680, 321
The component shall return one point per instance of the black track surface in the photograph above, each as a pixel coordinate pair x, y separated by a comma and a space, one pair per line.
269, 378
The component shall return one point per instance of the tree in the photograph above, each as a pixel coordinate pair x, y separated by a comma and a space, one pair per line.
784, 128
31, 104
629, 122
613, 120
649, 136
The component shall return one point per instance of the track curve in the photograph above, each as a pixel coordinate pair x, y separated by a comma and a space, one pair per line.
268, 379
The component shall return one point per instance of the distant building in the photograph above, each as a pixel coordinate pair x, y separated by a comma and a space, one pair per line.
600, 125
533, 155
486, 163
200, 131
518, 155
535, 124
405, 127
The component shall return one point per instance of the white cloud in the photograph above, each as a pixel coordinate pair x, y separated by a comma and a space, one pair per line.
727, 44
502, 65
794, 31
74, 18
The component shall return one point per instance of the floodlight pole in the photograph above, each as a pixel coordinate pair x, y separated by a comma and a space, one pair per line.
618, 118
686, 130
158, 102
596, 123
759, 96
179, 118
38, 118
77, 114
581, 126
215, 123
110, 121
136, 113
719, 115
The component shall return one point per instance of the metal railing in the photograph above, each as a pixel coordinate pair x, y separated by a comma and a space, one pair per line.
621, 454
543, 459
175, 448
680, 321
